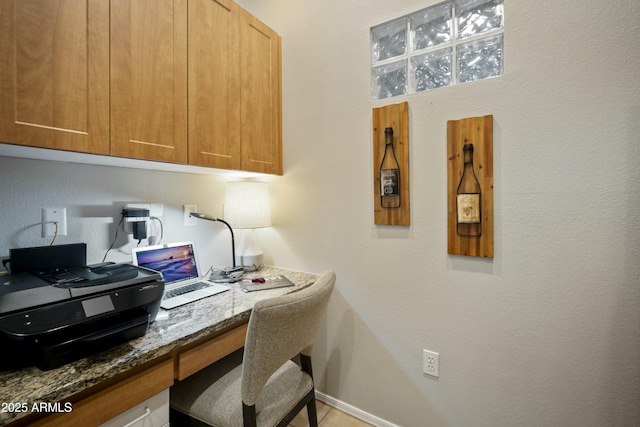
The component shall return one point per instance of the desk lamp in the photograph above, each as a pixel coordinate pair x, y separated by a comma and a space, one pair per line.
228, 274
247, 207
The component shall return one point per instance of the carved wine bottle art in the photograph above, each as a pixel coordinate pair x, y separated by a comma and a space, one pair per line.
469, 198
389, 174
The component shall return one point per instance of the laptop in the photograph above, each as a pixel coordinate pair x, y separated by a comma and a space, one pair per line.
183, 282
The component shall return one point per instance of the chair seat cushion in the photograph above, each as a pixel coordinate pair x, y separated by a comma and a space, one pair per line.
213, 394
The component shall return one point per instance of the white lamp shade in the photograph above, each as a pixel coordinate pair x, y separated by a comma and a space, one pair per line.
247, 205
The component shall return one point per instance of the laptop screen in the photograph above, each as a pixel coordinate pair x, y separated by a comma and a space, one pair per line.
176, 262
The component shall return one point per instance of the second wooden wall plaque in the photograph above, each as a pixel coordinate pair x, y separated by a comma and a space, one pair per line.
479, 132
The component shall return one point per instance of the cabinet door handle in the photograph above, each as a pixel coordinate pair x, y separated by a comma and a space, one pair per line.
147, 411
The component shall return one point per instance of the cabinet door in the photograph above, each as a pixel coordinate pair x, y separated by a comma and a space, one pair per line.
149, 79
54, 81
214, 84
261, 107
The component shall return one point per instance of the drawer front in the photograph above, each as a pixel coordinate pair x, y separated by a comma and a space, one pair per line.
113, 401
203, 355
153, 412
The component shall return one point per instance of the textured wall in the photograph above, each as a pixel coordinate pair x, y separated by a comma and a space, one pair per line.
94, 197
546, 333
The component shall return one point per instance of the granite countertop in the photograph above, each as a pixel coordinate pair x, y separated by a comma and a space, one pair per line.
172, 329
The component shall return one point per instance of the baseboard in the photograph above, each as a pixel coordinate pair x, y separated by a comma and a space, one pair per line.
353, 411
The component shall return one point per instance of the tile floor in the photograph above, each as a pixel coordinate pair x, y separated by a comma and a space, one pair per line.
328, 417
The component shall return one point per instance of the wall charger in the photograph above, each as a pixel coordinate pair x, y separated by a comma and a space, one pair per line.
135, 214
136, 219
140, 230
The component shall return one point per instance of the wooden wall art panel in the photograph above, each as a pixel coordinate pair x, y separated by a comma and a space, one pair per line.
394, 208
470, 188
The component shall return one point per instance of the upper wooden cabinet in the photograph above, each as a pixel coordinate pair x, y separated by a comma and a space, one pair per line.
235, 107
54, 78
214, 83
183, 81
149, 79
261, 95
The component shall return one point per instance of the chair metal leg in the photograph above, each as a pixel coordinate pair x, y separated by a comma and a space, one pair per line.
312, 413
249, 415
305, 364
306, 400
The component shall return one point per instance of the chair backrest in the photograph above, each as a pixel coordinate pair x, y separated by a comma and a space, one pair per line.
279, 329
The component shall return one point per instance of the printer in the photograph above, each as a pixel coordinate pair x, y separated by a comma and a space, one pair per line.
53, 314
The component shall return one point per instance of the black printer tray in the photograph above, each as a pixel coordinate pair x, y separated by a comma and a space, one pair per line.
54, 348
57, 354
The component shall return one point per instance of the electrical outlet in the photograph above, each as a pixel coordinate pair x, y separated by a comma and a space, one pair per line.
189, 221
51, 216
156, 209
431, 363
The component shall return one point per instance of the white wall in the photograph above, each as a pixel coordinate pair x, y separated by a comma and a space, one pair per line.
546, 333
94, 197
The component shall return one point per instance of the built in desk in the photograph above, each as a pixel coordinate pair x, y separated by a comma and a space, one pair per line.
93, 390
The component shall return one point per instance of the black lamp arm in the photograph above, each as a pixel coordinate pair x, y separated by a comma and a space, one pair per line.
233, 240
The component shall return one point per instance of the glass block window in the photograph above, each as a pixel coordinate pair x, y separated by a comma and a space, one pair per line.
453, 42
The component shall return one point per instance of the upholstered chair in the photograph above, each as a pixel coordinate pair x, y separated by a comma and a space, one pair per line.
262, 385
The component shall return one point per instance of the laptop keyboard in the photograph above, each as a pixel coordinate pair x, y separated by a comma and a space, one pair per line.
186, 289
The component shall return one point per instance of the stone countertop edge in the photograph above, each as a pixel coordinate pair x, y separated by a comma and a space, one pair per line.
183, 325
